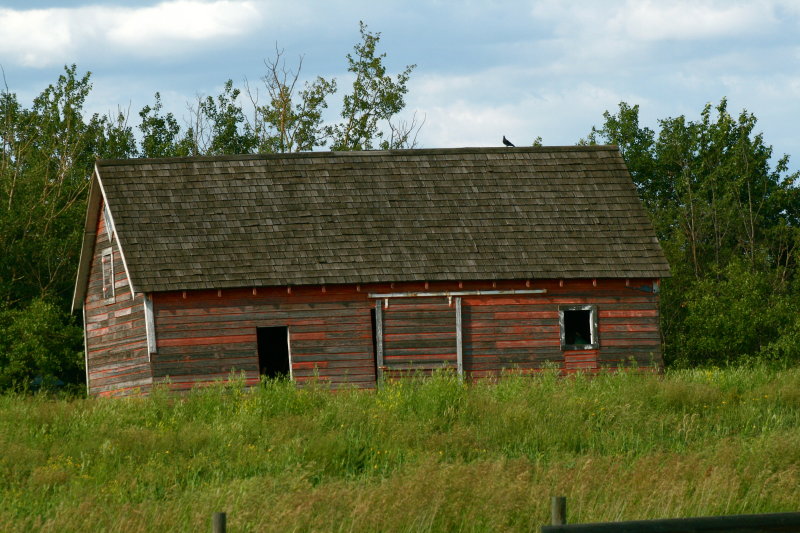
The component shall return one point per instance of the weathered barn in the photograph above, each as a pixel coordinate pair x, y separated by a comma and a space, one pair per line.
351, 265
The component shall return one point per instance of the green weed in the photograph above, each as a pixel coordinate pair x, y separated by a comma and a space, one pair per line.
433, 454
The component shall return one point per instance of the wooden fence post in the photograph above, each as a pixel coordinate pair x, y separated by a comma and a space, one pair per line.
218, 523
558, 511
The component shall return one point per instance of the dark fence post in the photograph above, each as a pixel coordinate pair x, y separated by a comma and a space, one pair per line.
558, 511
218, 523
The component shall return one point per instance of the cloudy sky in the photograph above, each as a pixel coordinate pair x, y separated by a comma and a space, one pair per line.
484, 69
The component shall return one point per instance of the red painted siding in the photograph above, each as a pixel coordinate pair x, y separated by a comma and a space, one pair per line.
419, 335
523, 332
205, 335
116, 345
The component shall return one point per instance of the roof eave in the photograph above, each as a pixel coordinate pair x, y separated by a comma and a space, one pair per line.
87, 247
97, 197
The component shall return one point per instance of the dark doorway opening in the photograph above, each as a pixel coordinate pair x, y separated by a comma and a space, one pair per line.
374, 321
273, 351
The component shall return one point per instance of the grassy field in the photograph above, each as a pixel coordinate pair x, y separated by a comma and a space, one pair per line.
432, 455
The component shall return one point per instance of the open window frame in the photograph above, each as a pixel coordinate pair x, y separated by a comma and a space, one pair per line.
576, 322
107, 273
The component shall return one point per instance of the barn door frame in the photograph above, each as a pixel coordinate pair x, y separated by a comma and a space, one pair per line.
379, 342
382, 301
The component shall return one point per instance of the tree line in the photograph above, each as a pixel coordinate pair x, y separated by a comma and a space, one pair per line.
726, 215
727, 218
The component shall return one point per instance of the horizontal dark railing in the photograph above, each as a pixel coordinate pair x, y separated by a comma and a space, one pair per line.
748, 523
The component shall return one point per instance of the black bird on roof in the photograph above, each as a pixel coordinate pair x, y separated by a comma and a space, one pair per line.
507, 142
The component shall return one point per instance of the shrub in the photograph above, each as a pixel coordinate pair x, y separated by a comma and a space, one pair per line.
737, 315
41, 348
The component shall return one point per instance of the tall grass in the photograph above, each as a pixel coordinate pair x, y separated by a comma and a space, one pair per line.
421, 455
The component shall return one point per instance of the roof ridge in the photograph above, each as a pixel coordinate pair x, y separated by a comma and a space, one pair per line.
360, 153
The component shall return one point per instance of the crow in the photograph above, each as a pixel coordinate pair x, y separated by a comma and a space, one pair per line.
507, 142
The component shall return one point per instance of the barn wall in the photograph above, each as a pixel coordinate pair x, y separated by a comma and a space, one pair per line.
523, 332
116, 346
205, 335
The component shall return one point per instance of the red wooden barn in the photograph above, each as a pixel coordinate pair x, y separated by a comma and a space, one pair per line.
352, 265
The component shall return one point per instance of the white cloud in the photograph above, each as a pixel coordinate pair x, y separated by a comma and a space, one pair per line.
650, 20
42, 37
684, 20
657, 45
182, 21
29, 37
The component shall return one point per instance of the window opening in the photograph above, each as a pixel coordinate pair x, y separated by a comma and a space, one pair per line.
107, 222
578, 327
273, 351
107, 262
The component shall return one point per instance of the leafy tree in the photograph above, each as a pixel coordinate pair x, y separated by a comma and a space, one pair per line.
118, 140
375, 97
48, 152
725, 217
161, 134
220, 125
292, 119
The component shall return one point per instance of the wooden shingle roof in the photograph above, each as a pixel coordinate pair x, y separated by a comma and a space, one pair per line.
360, 217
